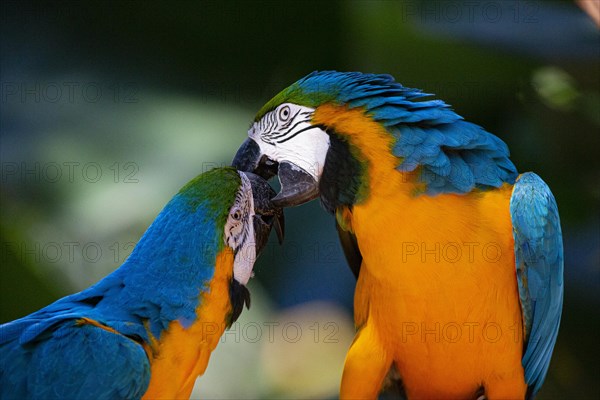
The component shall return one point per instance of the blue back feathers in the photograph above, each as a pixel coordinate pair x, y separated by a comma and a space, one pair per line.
453, 155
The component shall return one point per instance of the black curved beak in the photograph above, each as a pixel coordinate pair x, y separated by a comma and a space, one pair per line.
249, 159
297, 185
267, 215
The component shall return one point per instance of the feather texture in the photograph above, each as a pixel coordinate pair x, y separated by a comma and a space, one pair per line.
539, 263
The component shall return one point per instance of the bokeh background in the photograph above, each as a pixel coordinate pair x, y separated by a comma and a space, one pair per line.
107, 108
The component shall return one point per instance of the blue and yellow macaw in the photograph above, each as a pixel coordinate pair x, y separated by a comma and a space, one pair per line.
458, 258
147, 329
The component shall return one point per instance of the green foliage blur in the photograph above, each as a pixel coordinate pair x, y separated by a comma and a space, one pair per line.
109, 107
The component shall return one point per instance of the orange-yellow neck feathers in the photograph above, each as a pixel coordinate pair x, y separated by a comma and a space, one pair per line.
374, 143
180, 355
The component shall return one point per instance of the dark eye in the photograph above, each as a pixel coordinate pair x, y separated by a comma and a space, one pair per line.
284, 113
236, 214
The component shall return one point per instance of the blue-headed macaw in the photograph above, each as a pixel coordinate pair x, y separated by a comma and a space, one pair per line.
147, 329
458, 258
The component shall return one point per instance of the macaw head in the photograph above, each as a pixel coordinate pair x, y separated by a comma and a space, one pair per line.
249, 221
216, 226
324, 134
239, 204
250, 216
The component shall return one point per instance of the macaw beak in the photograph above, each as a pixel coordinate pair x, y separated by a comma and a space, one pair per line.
267, 215
297, 185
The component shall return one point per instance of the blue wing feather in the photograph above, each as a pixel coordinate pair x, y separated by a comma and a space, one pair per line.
65, 359
539, 263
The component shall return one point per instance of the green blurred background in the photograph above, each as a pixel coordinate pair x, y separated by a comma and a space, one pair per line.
109, 107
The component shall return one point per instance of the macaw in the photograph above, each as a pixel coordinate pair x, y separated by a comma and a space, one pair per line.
147, 329
458, 258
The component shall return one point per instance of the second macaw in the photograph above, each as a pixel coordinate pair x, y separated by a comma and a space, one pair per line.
147, 330
458, 257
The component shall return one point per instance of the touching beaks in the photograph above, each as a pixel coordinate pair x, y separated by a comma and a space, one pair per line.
297, 185
267, 214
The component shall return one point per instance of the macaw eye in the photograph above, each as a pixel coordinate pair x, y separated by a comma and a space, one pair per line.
284, 113
236, 214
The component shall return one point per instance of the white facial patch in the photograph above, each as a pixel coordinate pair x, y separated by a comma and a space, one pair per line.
287, 134
239, 232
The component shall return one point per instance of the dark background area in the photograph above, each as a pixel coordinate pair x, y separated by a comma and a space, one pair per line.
107, 108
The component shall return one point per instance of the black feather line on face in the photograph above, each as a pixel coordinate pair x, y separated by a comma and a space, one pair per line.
238, 296
293, 135
277, 135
